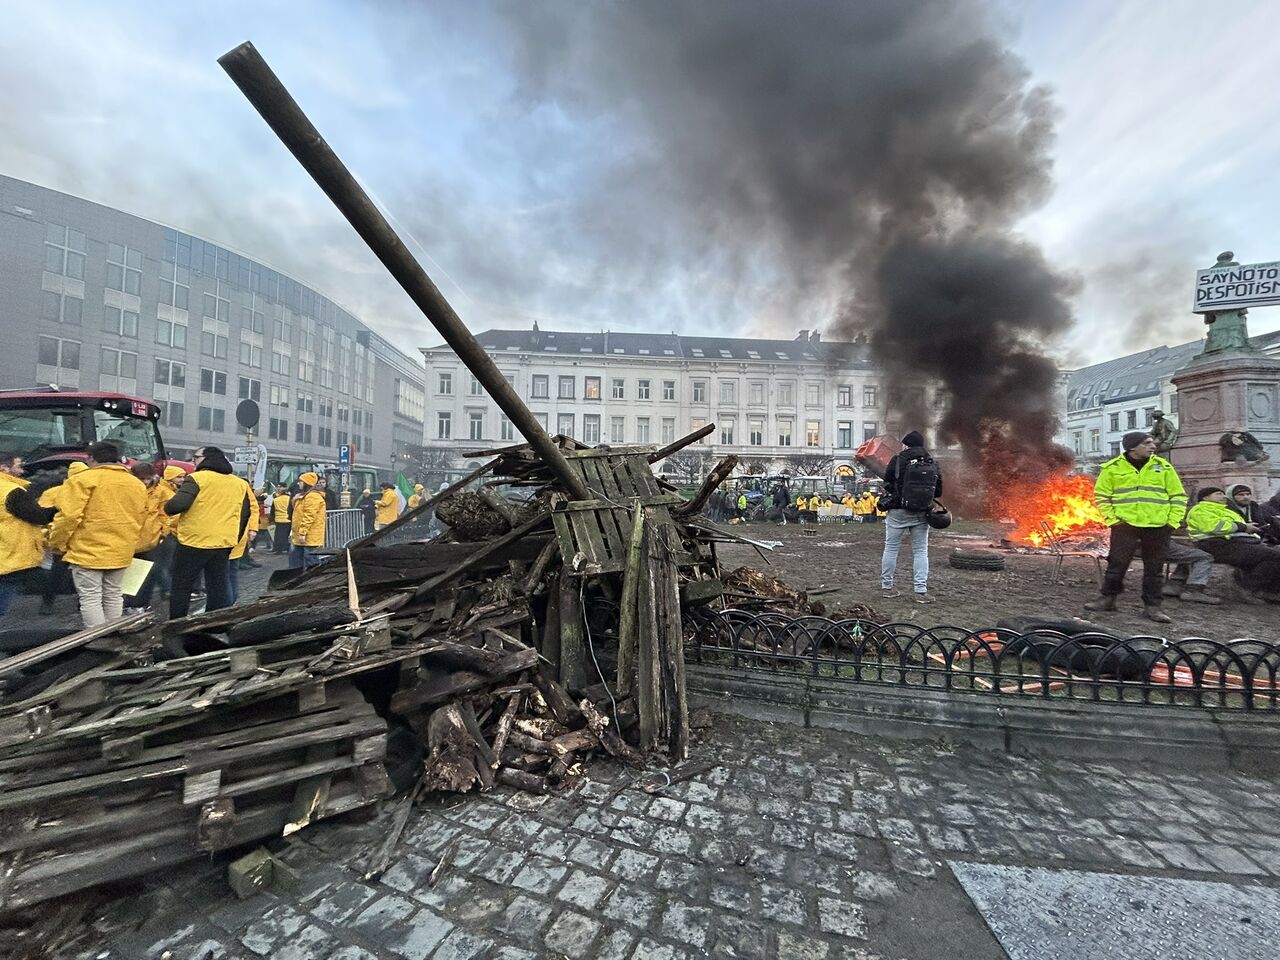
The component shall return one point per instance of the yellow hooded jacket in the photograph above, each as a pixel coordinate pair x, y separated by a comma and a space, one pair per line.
100, 515
1148, 497
308, 520
50, 497
253, 526
22, 542
214, 518
388, 507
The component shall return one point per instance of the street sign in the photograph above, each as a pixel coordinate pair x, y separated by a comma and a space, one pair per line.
1237, 287
344, 458
245, 456
248, 414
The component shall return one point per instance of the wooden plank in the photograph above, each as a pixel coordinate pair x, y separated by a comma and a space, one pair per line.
492, 547
627, 614
671, 643
586, 532
647, 692
573, 672
29, 658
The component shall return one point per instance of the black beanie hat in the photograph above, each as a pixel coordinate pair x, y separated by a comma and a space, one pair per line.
1205, 491
913, 439
1131, 440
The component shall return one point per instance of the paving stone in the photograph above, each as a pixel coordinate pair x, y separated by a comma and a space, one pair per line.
630, 905
309, 943
842, 918
899, 830
652, 950
739, 937
678, 875
460, 945
539, 877
634, 830
798, 946
686, 923
1230, 860
352, 952
731, 898
671, 841
572, 935
1179, 855
616, 945
515, 953
783, 904
583, 889
275, 925
592, 853
795, 835
855, 822
664, 808
696, 792
417, 939
633, 865
383, 913
524, 917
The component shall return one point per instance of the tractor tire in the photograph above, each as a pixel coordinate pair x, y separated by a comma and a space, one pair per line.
976, 560
272, 626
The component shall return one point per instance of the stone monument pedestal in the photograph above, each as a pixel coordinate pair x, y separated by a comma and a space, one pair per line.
1228, 391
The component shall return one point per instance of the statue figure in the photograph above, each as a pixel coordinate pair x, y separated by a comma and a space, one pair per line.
1241, 447
1163, 432
1227, 328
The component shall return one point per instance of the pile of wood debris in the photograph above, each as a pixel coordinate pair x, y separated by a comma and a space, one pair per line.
450, 664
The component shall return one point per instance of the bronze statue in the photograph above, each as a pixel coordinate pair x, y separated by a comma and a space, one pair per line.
1163, 432
1241, 447
1227, 328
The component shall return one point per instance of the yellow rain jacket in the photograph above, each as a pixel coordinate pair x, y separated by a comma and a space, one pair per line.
1207, 520
253, 526
280, 508
156, 524
814, 503
388, 507
21, 543
415, 501
800, 503
1150, 497
308, 520
214, 517
100, 517
50, 497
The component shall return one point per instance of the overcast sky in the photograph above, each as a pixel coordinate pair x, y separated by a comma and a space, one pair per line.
1166, 151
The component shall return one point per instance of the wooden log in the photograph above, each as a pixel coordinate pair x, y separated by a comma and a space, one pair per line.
671, 642
573, 666
381, 858
713, 480
627, 614
538, 571
609, 738
500, 505
678, 445
522, 780
558, 701
503, 730
489, 549
432, 692
648, 694
522, 741
29, 658
451, 763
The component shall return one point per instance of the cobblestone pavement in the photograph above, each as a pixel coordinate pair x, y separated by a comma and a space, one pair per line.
802, 844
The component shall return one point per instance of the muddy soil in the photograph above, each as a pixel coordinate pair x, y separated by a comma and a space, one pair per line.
847, 557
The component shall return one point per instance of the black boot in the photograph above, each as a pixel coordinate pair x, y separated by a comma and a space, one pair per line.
1152, 611
1103, 602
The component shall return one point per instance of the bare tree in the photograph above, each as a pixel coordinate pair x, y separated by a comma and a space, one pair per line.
809, 464
429, 466
690, 465
755, 466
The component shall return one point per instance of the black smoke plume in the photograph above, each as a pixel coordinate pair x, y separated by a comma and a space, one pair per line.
866, 161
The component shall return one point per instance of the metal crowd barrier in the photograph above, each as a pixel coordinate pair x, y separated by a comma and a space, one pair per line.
1197, 672
341, 527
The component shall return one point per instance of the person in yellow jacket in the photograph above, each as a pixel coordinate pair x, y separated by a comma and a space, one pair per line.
57, 574
239, 553
800, 503
388, 507
156, 542
212, 507
309, 512
1225, 535
1142, 500
281, 518
22, 523
99, 521
415, 499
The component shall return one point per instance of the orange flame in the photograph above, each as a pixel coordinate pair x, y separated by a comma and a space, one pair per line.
1064, 503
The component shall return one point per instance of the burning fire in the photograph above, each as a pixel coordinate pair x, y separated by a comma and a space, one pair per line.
1064, 503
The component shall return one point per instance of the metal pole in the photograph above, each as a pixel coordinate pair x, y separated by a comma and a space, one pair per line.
269, 97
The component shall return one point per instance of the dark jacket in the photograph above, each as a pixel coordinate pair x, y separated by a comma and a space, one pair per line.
914, 443
1264, 515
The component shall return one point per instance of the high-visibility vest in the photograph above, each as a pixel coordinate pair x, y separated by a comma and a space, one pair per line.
1148, 497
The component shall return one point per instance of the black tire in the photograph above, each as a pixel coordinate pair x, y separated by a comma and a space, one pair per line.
976, 560
272, 626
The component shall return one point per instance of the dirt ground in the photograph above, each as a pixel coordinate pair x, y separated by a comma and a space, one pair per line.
847, 557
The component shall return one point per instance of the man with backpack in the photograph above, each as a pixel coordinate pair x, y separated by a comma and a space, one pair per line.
911, 483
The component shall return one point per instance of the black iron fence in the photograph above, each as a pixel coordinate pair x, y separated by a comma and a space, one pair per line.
1044, 663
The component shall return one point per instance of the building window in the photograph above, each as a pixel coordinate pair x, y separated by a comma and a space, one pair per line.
213, 381
1115, 422
564, 424
668, 430
301, 433
642, 429
217, 305
699, 391
474, 387
475, 425
1095, 441
726, 430
64, 251
618, 389
870, 429
278, 429
668, 389
642, 392
871, 396
445, 385
1115, 448
755, 429
617, 429
1148, 416
280, 397
591, 388
786, 394
175, 286
122, 322
785, 426
812, 433
214, 420
728, 390
1077, 443
565, 388
541, 384
844, 434
174, 335
812, 394
171, 373
591, 428
755, 394
118, 371
1131, 419
124, 269
506, 429
62, 309
844, 395
214, 344
250, 354
542, 420
171, 414
444, 425
697, 424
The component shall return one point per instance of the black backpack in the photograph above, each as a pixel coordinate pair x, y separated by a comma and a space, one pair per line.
917, 484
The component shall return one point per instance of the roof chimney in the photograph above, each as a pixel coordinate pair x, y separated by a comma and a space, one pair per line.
536, 338
804, 335
815, 337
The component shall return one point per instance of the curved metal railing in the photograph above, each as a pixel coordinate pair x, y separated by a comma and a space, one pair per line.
1243, 674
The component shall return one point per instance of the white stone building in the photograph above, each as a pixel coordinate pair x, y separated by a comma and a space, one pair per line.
770, 399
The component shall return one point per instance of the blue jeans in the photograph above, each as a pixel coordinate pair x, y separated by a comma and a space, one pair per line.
9, 584
301, 558
896, 524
